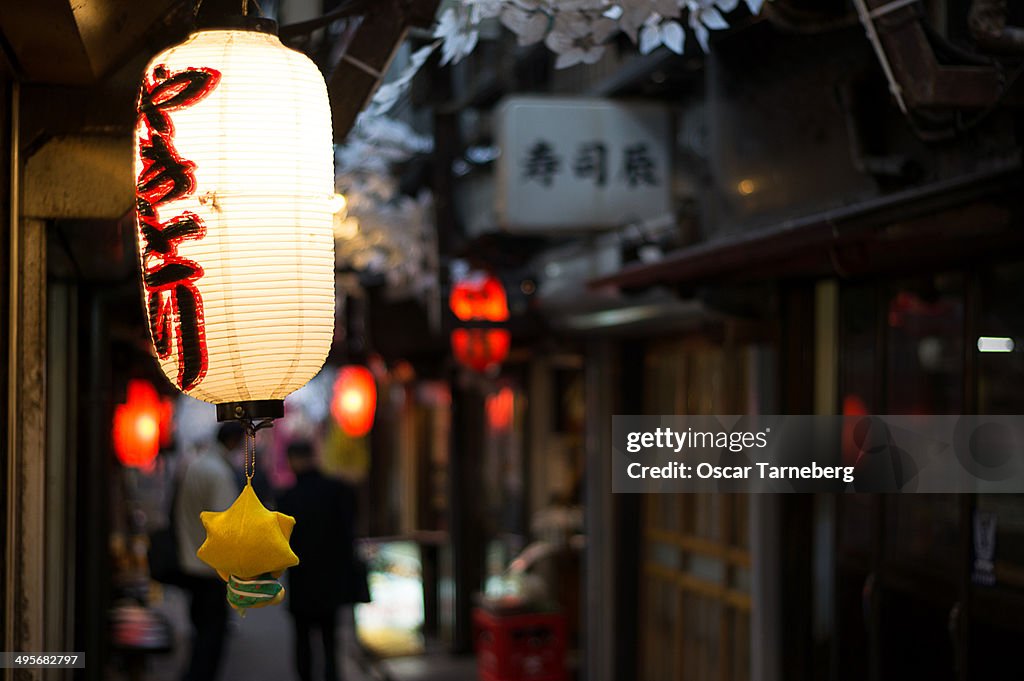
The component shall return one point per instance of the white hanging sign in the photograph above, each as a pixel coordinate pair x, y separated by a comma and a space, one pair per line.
571, 164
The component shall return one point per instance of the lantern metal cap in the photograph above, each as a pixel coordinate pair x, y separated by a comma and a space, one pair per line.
236, 22
251, 410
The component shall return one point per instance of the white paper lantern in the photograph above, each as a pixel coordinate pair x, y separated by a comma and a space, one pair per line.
235, 179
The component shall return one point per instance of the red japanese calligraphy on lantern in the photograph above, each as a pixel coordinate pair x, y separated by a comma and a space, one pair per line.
173, 301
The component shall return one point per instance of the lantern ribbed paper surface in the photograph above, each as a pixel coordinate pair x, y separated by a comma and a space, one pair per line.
235, 177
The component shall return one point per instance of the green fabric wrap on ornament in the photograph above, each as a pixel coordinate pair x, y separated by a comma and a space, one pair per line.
254, 593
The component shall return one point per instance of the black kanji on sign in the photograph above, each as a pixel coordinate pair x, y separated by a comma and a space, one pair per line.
637, 166
591, 162
541, 163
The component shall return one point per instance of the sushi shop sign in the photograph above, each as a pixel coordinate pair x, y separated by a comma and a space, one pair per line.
572, 164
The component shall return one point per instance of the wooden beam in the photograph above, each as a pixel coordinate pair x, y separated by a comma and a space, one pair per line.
362, 67
44, 40
56, 41
26, 459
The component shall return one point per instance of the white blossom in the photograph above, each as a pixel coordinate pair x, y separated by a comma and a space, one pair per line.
576, 30
457, 34
575, 38
672, 36
390, 93
529, 26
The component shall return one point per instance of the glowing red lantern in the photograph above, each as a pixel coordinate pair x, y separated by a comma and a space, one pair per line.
355, 400
481, 299
137, 425
480, 349
500, 409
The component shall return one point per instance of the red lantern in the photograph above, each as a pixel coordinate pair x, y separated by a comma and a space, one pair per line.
480, 298
480, 349
137, 425
355, 400
500, 409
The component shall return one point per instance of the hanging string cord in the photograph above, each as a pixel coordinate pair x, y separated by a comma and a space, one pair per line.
249, 463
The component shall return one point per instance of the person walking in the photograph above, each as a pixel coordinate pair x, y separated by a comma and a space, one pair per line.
326, 577
208, 485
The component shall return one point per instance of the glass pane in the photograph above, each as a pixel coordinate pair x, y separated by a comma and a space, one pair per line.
707, 569
664, 555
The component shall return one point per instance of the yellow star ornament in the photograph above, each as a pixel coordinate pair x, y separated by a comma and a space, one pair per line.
248, 547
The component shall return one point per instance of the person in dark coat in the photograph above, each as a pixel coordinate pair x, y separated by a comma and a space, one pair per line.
324, 509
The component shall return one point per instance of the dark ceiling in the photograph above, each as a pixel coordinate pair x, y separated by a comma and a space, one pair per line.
80, 42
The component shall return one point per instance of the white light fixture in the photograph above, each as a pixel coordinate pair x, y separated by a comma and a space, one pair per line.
235, 187
995, 344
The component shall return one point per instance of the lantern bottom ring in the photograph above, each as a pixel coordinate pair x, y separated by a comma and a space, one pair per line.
250, 410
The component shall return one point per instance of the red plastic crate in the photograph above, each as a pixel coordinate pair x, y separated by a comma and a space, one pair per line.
521, 647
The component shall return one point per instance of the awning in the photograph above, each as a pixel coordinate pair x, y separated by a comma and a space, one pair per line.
942, 221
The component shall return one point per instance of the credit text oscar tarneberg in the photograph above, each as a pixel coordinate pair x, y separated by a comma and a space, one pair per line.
765, 471
735, 442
